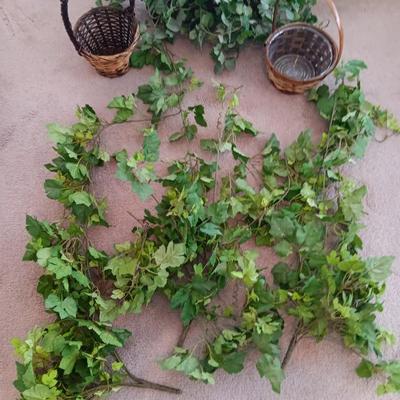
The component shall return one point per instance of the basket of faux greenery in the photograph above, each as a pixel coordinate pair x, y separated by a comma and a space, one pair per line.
105, 36
300, 55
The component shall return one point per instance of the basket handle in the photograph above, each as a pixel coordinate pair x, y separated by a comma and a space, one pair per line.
338, 21
67, 23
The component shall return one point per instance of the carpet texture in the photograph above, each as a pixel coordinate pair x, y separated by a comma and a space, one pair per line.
42, 80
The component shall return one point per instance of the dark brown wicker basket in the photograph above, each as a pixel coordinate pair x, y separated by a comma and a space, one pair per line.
105, 36
299, 55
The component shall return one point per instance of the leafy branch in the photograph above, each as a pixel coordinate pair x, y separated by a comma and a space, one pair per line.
190, 248
227, 25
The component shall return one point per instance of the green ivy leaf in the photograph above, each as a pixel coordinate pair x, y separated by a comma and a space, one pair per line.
350, 70
58, 134
243, 186
379, 268
125, 106
151, 145
65, 308
143, 190
283, 248
54, 188
40, 392
233, 362
210, 229
121, 266
70, 355
81, 198
173, 256
50, 378
281, 227
25, 376
270, 367
199, 114
365, 369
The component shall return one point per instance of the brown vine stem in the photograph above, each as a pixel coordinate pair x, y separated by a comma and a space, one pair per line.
133, 121
292, 344
145, 384
387, 136
92, 392
183, 335
140, 222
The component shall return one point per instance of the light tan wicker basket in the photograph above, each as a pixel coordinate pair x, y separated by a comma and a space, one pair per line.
105, 37
300, 55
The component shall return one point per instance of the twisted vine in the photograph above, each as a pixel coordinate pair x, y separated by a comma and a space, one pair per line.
191, 247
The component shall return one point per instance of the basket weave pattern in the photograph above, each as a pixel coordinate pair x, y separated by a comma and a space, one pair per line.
303, 42
105, 37
299, 55
112, 65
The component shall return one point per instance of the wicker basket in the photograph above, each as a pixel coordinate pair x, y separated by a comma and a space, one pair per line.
300, 55
105, 36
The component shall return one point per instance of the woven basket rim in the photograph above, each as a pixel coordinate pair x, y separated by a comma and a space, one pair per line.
315, 79
135, 29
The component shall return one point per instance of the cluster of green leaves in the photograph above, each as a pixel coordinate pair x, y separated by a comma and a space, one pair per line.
166, 89
139, 168
391, 369
64, 286
68, 359
72, 167
73, 357
312, 211
190, 246
260, 328
307, 209
137, 271
152, 50
234, 125
227, 24
183, 216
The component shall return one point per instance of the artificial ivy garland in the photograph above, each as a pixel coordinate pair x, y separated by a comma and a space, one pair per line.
226, 24
190, 247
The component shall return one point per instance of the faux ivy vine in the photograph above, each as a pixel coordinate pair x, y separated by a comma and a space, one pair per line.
227, 24
190, 248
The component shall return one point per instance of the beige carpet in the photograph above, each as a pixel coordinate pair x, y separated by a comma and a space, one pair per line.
42, 79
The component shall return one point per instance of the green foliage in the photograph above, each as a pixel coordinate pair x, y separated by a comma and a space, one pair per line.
352, 119
167, 88
189, 130
152, 50
226, 24
138, 169
350, 70
73, 165
234, 126
260, 326
67, 359
157, 94
172, 256
183, 361
390, 369
189, 246
125, 106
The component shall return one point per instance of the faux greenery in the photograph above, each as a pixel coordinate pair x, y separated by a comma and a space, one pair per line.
190, 247
227, 24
